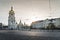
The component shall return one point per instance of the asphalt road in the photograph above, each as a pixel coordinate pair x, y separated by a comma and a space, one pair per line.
28, 35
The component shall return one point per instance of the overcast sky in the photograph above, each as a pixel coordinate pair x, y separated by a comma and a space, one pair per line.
29, 10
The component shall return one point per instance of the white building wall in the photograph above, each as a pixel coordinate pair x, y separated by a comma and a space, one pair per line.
57, 22
46, 22
37, 25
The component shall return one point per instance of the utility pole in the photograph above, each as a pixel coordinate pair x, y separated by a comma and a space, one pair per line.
50, 8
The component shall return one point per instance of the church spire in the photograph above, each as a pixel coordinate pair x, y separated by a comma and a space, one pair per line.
11, 8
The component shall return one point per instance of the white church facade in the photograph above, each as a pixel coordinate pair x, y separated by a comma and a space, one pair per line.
20, 25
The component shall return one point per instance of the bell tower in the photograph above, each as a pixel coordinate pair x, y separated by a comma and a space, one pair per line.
11, 20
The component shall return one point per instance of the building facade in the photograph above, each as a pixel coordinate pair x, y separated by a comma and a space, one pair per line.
20, 25
37, 24
11, 20
44, 23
